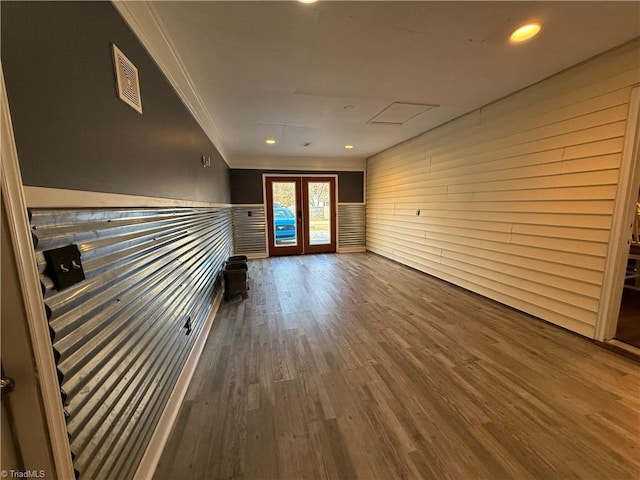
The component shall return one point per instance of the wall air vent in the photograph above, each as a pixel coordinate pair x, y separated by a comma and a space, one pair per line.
127, 81
399, 113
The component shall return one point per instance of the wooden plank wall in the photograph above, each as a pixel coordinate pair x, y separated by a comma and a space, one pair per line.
516, 198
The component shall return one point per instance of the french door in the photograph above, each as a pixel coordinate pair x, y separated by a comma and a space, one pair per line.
301, 214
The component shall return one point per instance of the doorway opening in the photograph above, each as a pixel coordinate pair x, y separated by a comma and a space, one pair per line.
301, 214
618, 323
628, 328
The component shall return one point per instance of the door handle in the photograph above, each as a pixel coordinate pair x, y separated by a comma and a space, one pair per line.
7, 385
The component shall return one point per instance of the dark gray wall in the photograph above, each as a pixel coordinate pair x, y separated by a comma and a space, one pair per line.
246, 184
71, 129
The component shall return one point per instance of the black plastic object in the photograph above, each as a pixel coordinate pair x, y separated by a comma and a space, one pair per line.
235, 277
64, 266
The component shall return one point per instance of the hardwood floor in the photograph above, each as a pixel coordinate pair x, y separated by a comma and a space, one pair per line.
352, 366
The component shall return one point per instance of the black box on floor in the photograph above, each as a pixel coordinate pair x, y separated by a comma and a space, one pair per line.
235, 277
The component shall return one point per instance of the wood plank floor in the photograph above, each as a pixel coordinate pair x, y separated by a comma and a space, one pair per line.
352, 366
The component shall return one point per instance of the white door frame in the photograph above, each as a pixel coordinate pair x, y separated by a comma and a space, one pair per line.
37, 326
621, 225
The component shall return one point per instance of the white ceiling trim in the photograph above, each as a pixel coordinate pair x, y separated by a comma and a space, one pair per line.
147, 26
317, 164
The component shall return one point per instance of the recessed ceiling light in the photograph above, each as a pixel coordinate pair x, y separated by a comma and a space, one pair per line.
525, 32
270, 141
307, 1
348, 147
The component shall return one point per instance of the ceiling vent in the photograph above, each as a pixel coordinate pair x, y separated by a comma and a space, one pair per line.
399, 113
127, 80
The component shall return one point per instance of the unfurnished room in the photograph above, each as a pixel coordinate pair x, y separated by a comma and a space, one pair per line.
289, 240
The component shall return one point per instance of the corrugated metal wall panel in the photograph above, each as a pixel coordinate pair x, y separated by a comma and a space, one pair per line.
516, 199
119, 335
249, 231
351, 225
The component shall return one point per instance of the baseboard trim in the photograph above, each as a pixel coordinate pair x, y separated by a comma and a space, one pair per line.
622, 348
352, 249
151, 457
253, 256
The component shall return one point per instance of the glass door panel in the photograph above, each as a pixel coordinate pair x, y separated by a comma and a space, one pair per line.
319, 212
284, 215
284, 206
319, 196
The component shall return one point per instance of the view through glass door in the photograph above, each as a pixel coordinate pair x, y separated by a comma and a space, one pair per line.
301, 216
319, 214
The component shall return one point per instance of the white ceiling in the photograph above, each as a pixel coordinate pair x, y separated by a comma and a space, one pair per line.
318, 73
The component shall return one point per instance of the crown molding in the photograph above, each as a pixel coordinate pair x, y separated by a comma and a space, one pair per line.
317, 164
